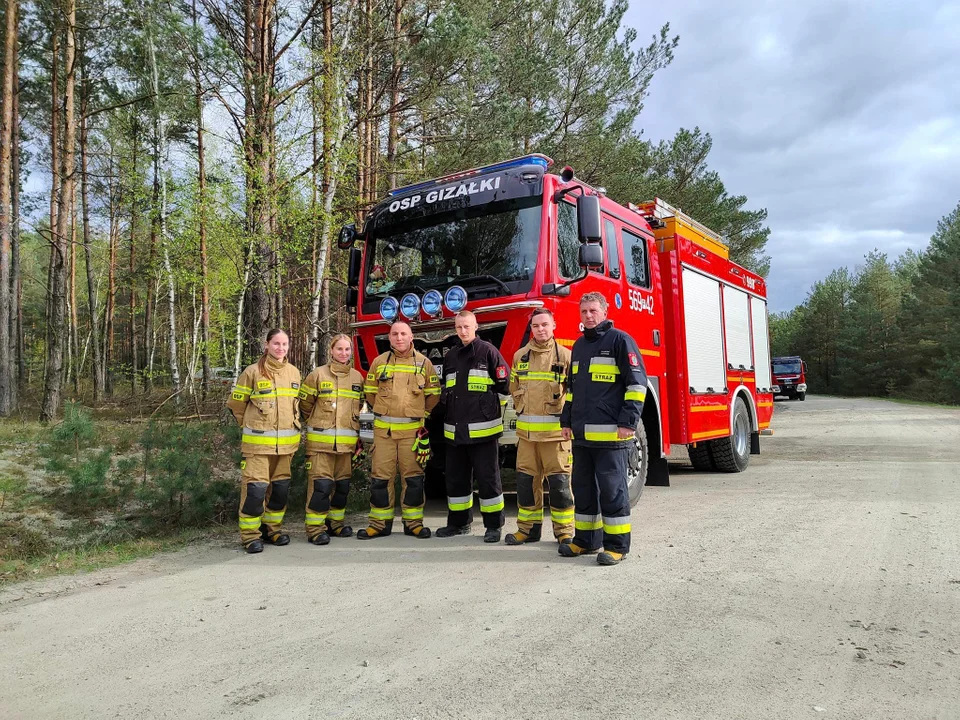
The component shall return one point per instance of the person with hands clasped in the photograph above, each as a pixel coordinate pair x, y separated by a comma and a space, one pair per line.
330, 399
403, 387
265, 403
606, 387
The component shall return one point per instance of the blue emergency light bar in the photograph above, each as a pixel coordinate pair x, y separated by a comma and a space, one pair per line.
535, 159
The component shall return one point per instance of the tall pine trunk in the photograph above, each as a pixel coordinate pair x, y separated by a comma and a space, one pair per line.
98, 377
7, 139
56, 331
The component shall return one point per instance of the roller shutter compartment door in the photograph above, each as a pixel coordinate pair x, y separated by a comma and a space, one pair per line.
736, 322
706, 368
761, 344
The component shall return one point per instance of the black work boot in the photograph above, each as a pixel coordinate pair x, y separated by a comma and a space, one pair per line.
451, 530
368, 533
280, 540
491, 535
520, 537
254, 547
342, 531
321, 539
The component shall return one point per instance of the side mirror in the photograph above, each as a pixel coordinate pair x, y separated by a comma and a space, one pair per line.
591, 256
588, 218
804, 363
352, 296
353, 268
348, 233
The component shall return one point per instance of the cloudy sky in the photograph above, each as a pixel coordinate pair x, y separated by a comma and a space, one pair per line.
842, 118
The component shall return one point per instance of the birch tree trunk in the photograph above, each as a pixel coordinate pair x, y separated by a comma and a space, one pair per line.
7, 140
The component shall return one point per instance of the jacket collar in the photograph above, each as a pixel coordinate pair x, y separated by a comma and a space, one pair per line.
599, 331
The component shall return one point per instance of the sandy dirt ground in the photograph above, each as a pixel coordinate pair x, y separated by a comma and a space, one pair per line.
823, 582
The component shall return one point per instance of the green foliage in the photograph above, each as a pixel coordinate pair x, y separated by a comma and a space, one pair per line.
889, 329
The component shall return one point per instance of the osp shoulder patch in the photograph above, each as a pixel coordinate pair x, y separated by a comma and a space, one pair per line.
501, 371
634, 360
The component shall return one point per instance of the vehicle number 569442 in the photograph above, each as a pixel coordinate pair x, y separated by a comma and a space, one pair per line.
639, 303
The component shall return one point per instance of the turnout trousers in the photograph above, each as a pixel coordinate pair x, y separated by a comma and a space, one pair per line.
264, 487
536, 462
328, 485
463, 464
601, 498
391, 454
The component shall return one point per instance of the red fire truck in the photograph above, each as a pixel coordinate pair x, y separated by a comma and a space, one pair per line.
504, 239
790, 377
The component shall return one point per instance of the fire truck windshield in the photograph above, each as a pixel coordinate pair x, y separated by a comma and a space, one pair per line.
491, 250
786, 368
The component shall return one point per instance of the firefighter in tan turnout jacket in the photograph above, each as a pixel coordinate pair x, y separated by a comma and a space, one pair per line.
403, 387
330, 401
538, 386
265, 403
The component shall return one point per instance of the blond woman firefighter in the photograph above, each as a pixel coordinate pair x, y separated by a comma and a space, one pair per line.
537, 384
265, 403
403, 387
330, 400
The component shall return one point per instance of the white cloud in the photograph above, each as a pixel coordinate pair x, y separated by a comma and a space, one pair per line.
841, 118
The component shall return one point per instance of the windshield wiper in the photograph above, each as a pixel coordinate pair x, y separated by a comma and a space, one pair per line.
486, 278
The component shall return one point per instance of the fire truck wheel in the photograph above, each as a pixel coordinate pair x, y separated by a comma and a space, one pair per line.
732, 454
700, 457
638, 460
801, 396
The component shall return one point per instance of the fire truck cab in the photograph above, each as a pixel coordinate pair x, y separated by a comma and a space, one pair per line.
790, 377
505, 239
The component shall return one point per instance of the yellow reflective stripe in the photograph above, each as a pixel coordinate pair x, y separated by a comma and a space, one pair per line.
463, 502
635, 395
287, 392
308, 390
600, 436
603, 369
316, 518
616, 526
412, 369
449, 431
484, 429
243, 388
273, 517
271, 440
529, 515
569, 397
494, 504
396, 423
544, 376
412, 513
337, 513
249, 523
431, 391
538, 423
370, 389
561, 515
588, 522
352, 394
381, 513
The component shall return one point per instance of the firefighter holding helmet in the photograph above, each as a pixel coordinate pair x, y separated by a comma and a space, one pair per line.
403, 387
265, 403
606, 387
538, 379
330, 399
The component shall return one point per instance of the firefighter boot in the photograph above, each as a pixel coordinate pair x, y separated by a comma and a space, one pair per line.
451, 530
571, 549
609, 557
320, 539
491, 535
368, 533
254, 547
278, 540
418, 531
520, 537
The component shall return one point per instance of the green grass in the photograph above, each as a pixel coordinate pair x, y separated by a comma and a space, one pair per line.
98, 556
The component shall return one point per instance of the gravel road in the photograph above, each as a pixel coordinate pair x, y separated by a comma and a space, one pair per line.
824, 582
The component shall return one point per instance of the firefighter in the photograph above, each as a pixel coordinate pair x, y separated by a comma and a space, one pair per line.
330, 400
606, 386
538, 379
476, 380
403, 387
265, 403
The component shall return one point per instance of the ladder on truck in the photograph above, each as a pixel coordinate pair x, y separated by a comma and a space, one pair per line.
668, 222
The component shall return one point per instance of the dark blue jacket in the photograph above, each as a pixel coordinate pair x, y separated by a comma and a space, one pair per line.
476, 380
606, 386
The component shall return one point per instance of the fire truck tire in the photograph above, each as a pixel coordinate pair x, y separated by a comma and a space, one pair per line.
801, 396
700, 457
732, 454
638, 462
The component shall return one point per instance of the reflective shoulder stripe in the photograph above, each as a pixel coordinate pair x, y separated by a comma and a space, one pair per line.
450, 380
635, 392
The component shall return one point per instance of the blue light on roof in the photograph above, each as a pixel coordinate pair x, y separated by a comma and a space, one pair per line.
535, 159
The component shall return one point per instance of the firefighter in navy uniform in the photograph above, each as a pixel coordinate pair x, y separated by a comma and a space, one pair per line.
537, 382
475, 384
606, 388
403, 387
